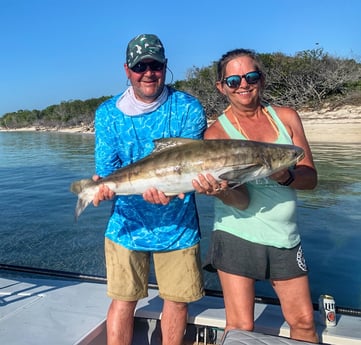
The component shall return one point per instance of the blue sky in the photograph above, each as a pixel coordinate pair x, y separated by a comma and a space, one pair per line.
60, 50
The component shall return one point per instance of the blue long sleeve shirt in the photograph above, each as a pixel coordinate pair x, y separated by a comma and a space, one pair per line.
120, 140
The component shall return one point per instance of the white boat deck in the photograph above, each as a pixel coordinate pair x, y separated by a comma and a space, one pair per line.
62, 312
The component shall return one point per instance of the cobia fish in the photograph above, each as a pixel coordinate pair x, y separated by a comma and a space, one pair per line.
175, 162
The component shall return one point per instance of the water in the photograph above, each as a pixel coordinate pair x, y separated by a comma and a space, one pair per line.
37, 225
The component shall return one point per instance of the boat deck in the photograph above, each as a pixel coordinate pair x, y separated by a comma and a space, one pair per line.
37, 311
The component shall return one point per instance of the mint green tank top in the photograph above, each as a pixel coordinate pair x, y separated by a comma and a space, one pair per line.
270, 218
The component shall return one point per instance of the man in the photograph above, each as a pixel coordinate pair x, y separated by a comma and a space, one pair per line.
151, 224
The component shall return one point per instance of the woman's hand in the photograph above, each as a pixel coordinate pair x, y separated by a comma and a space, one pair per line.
207, 184
236, 196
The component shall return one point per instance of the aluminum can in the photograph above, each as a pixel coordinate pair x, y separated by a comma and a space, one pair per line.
327, 310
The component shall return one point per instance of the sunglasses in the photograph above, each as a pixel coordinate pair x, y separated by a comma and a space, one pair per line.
234, 81
154, 66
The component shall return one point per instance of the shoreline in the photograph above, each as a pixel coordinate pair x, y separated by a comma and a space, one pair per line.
342, 125
346, 133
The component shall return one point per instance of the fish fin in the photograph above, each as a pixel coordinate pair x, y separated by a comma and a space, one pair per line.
166, 143
233, 186
243, 174
172, 193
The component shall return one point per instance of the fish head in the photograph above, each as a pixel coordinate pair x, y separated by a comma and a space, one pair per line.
284, 156
255, 160
299, 154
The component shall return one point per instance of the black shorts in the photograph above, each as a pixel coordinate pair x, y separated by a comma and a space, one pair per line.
231, 254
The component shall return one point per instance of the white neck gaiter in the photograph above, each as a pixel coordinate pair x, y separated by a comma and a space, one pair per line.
129, 105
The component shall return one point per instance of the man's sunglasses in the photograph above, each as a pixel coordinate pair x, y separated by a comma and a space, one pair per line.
154, 66
234, 81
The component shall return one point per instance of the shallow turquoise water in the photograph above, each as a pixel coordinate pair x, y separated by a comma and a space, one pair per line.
37, 225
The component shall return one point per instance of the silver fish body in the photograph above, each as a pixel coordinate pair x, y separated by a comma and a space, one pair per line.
175, 162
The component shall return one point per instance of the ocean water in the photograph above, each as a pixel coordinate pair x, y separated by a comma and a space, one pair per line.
37, 226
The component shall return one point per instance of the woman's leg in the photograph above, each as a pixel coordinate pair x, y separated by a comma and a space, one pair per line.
238, 294
296, 304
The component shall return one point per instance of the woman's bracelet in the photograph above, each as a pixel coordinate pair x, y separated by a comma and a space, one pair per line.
289, 180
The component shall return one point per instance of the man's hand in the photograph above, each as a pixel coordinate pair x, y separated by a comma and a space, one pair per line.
155, 196
104, 193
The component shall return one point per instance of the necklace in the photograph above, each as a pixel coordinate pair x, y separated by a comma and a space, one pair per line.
264, 111
240, 129
270, 119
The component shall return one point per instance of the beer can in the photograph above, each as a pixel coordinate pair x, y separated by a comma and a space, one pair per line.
327, 310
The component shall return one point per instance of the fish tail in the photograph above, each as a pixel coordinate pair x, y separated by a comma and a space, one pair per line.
81, 205
84, 199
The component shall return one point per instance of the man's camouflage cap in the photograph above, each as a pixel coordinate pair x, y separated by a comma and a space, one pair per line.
145, 46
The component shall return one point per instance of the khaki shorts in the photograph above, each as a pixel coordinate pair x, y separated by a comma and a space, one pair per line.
178, 273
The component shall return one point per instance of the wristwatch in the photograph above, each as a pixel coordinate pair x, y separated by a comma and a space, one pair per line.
289, 180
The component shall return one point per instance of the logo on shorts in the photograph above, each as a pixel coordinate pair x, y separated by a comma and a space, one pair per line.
301, 260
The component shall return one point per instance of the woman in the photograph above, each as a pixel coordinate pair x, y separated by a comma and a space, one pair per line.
258, 239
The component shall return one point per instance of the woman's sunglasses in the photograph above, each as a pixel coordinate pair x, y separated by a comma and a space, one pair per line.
234, 81
154, 66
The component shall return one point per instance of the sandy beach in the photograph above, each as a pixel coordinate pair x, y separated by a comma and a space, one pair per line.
342, 125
